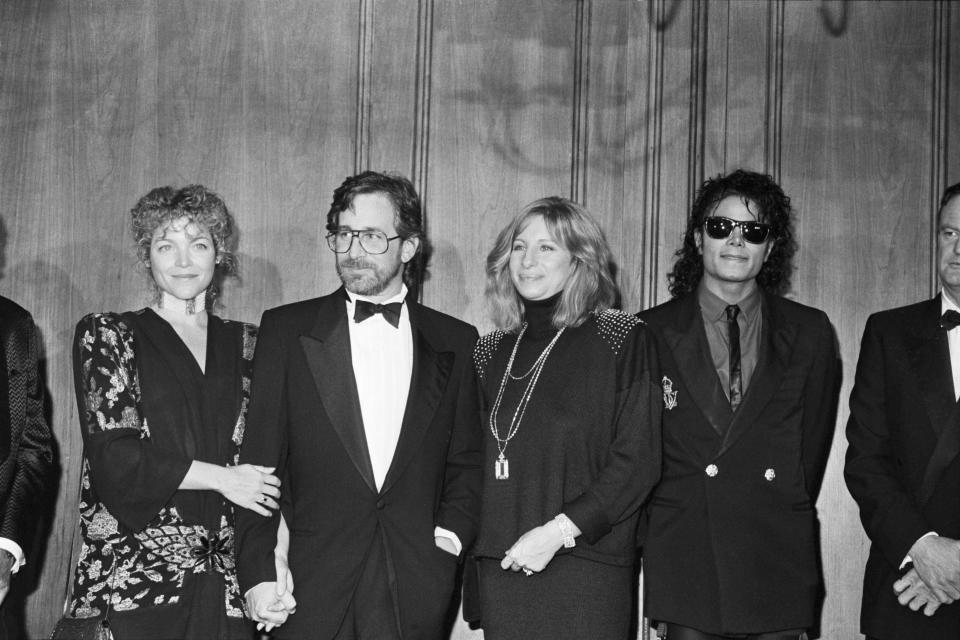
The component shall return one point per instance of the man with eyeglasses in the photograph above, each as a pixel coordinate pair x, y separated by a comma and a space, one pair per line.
750, 383
365, 402
903, 462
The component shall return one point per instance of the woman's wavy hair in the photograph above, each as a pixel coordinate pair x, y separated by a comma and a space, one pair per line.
201, 206
762, 196
591, 288
408, 214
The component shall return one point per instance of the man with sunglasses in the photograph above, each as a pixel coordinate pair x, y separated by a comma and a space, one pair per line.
366, 403
750, 383
903, 462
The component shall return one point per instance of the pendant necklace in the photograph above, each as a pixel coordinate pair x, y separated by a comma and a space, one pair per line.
501, 468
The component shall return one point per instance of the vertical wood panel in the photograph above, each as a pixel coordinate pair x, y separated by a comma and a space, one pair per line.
500, 117
856, 162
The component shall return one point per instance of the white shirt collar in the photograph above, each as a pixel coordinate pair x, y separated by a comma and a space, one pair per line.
400, 297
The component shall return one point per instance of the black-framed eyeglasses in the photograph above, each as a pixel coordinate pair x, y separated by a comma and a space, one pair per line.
718, 228
372, 241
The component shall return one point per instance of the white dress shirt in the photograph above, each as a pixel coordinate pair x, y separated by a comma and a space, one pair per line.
382, 358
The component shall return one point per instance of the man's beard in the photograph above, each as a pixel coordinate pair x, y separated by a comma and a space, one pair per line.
366, 283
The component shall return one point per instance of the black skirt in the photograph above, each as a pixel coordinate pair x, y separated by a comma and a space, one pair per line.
572, 598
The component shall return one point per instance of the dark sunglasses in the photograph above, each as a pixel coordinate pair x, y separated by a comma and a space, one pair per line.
719, 228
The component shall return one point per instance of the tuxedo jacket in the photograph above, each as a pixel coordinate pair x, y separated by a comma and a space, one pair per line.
731, 536
903, 459
305, 419
26, 455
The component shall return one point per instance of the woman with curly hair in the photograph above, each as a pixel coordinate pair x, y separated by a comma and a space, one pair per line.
162, 393
572, 417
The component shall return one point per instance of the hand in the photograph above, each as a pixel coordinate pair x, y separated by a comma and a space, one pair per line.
266, 607
252, 487
6, 569
446, 544
914, 593
937, 562
535, 549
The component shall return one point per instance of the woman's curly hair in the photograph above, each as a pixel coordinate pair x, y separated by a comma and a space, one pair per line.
201, 206
762, 196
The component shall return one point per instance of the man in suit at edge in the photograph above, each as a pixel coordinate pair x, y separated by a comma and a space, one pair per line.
366, 403
26, 454
750, 385
902, 466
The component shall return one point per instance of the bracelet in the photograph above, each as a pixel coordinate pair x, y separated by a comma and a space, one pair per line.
566, 530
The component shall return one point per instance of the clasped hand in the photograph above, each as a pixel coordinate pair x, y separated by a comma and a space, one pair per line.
271, 603
934, 578
535, 549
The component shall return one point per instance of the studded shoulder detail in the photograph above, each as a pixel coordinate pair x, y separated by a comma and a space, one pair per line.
484, 350
614, 326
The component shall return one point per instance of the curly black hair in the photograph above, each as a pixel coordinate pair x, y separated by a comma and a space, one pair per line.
759, 191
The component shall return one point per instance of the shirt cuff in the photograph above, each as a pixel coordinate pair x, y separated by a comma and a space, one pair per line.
440, 532
14, 549
906, 559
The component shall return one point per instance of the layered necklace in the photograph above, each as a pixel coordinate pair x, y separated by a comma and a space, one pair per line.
501, 468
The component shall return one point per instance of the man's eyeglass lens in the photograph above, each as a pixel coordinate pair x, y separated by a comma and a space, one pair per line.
719, 228
373, 242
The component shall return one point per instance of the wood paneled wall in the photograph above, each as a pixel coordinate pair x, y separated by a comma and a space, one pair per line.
486, 104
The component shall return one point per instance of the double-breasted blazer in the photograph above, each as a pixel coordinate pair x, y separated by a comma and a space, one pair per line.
305, 419
26, 455
731, 537
903, 460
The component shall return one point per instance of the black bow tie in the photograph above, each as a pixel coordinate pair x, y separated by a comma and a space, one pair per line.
390, 312
949, 319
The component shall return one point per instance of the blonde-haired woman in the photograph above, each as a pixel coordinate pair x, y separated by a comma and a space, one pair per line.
572, 447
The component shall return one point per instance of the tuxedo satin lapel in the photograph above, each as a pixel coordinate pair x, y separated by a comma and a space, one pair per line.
930, 361
688, 343
9, 380
431, 372
327, 350
776, 346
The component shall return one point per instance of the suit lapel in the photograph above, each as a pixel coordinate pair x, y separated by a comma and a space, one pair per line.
688, 342
777, 338
327, 350
930, 361
431, 372
8, 373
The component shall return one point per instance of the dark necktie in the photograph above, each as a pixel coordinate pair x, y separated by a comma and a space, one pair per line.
949, 319
390, 312
736, 378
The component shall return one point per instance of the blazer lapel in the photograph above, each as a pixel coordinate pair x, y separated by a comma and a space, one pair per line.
431, 372
688, 342
327, 350
776, 346
8, 375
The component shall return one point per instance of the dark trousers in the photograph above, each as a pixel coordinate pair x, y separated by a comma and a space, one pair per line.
678, 632
372, 614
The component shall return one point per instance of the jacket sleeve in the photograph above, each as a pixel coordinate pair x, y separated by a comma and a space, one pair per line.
131, 476
888, 511
634, 456
460, 501
264, 443
34, 452
821, 395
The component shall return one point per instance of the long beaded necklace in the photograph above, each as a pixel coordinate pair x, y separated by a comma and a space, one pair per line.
501, 468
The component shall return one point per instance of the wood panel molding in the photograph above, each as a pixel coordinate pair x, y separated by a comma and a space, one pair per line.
698, 98
581, 103
421, 132
773, 119
939, 126
361, 160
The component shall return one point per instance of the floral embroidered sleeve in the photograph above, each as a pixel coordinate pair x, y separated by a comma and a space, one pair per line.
131, 476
